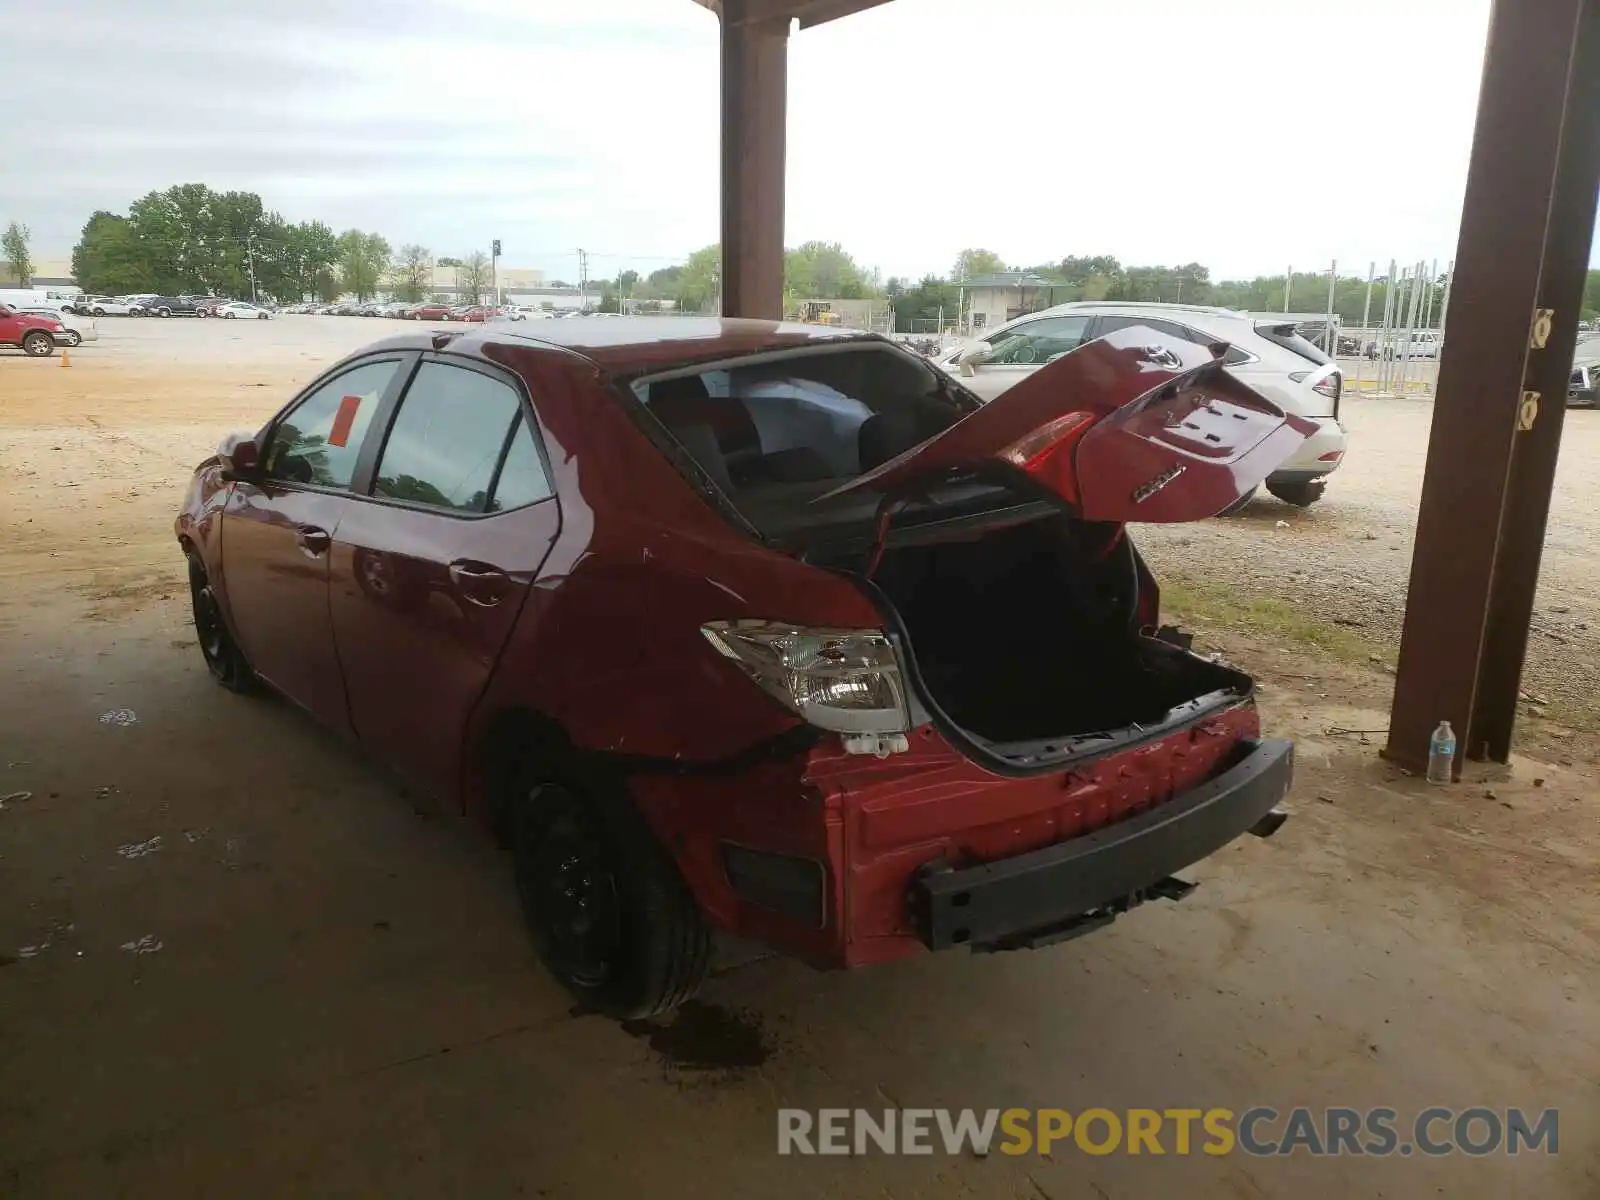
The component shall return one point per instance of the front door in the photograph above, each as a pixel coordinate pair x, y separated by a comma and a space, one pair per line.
430, 572
278, 529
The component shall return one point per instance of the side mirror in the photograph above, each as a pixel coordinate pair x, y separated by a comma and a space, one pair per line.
238, 455
974, 357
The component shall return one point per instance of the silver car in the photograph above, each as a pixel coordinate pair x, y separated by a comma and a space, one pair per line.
1265, 353
75, 330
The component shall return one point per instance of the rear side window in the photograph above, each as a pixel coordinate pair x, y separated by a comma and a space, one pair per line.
1234, 356
448, 439
776, 429
1288, 336
522, 476
317, 443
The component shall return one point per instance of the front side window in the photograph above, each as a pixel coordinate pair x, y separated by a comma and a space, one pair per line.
318, 442
447, 439
1038, 342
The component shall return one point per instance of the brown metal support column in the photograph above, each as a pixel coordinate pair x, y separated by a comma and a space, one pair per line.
1505, 214
1534, 451
755, 84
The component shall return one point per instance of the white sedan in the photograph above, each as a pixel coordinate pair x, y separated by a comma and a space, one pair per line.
75, 330
238, 308
107, 306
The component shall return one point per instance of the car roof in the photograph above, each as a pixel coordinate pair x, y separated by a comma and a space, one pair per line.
633, 345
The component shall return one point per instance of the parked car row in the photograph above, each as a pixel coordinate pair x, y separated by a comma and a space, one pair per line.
151, 304
423, 311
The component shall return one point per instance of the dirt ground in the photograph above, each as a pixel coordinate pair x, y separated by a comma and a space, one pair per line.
235, 959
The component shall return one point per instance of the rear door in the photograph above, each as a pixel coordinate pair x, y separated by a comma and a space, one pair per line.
431, 567
1135, 426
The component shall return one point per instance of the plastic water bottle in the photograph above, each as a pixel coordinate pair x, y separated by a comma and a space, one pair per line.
1441, 753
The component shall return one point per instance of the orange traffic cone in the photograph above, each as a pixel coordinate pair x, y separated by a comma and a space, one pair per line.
66, 358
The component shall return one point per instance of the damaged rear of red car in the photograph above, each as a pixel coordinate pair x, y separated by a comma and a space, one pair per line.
787, 635
907, 688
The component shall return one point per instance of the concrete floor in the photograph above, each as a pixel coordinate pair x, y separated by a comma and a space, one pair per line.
312, 984
343, 1002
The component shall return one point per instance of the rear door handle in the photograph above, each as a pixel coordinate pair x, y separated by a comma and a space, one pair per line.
481, 583
313, 541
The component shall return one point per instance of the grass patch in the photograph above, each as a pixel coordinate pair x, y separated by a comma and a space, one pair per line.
1218, 606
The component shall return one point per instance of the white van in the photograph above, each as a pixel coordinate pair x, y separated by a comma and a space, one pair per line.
28, 298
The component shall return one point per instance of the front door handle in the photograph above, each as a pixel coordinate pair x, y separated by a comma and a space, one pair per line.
480, 583
313, 541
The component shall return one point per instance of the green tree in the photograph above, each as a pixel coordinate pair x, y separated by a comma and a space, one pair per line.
699, 284
14, 245
363, 262
663, 284
107, 259
1591, 296
627, 282
474, 277
328, 285
915, 308
970, 263
822, 270
305, 253
413, 273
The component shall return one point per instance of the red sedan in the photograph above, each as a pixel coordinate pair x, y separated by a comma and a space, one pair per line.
771, 629
431, 312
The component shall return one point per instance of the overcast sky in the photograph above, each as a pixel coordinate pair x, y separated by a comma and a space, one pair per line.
1247, 134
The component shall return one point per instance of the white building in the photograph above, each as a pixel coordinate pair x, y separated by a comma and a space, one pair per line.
991, 300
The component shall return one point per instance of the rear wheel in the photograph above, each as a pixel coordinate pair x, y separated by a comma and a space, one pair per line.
38, 343
610, 916
224, 659
1301, 495
73, 337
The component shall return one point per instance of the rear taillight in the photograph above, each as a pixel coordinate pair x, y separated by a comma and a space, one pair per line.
1330, 385
846, 680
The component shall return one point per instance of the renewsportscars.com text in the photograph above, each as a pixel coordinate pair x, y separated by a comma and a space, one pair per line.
1256, 1131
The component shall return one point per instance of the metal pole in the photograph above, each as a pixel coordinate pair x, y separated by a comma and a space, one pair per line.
250, 252
755, 66
1538, 74
1366, 318
1288, 284
1333, 278
1390, 290
1444, 305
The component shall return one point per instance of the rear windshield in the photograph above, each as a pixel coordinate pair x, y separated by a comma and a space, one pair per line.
1288, 336
775, 431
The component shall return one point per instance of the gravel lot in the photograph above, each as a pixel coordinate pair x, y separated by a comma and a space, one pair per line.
236, 960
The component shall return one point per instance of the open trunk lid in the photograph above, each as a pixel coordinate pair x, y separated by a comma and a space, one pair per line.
1135, 426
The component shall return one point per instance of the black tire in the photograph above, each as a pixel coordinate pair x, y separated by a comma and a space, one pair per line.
224, 659
610, 916
1301, 495
73, 338
163, 312
97, 312
38, 344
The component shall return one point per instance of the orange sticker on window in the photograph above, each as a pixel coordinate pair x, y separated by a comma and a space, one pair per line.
343, 420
